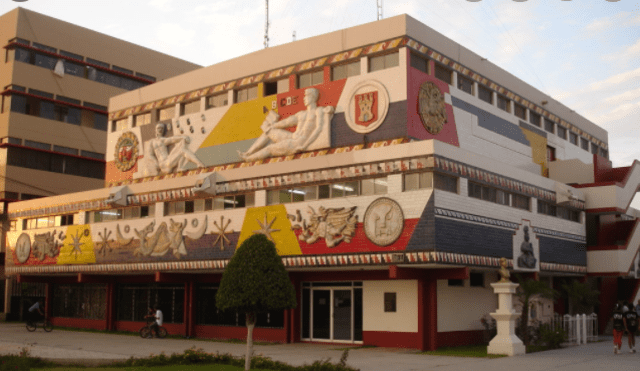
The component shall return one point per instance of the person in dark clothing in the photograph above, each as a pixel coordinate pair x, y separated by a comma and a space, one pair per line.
35, 312
618, 328
631, 325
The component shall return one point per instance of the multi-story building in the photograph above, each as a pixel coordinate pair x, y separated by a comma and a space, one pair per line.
55, 80
392, 168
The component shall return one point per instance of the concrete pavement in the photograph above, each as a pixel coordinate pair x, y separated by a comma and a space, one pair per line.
98, 347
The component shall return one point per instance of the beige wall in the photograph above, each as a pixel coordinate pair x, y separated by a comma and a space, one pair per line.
461, 308
405, 319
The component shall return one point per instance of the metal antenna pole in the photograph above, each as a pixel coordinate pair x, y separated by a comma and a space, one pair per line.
266, 25
379, 3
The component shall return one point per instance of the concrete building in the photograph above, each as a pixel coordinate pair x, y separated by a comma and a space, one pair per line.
391, 166
55, 81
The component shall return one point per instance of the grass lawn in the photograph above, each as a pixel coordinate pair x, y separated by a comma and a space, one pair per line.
479, 351
154, 368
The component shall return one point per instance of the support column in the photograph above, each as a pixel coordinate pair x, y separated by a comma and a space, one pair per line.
48, 289
110, 312
428, 313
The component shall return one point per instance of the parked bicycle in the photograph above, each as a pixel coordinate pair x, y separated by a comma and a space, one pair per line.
146, 331
45, 324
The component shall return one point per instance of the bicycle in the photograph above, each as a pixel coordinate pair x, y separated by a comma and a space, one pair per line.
45, 324
146, 331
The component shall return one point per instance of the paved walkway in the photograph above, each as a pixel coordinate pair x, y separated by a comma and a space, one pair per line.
67, 345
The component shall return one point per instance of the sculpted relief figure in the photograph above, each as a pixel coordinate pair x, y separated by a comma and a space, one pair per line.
276, 141
159, 160
527, 259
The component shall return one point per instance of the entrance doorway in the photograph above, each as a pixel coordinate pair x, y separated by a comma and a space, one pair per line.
332, 312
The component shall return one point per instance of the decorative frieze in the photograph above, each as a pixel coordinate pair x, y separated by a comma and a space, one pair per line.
475, 218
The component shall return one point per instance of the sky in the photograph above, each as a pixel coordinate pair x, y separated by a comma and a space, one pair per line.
585, 54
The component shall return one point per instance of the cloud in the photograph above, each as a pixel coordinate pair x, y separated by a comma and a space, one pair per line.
615, 80
617, 21
628, 53
172, 34
627, 96
162, 5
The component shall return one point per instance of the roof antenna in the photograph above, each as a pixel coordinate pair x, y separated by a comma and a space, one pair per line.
266, 25
379, 3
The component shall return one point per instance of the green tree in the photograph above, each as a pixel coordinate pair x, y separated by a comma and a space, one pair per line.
527, 290
582, 297
255, 281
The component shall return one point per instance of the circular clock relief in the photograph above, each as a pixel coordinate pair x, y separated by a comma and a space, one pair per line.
23, 248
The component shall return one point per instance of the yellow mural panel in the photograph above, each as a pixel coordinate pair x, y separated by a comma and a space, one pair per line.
538, 149
271, 221
241, 122
78, 246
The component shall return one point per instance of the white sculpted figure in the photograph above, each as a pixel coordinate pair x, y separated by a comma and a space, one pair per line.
276, 141
158, 159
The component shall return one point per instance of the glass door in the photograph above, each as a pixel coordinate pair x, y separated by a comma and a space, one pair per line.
321, 315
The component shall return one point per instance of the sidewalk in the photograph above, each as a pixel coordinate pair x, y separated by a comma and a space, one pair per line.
99, 347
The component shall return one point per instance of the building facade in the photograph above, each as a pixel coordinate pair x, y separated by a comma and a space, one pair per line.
392, 168
55, 83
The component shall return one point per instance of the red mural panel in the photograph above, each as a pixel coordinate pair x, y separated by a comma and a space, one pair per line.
292, 102
359, 242
415, 129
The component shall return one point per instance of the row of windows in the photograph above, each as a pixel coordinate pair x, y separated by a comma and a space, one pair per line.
54, 162
375, 186
133, 212
79, 67
498, 196
208, 204
45, 222
56, 148
424, 180
559, 211
304, 80
61, 109
465, 84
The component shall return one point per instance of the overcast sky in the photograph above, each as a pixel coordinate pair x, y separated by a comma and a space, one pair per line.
586, 54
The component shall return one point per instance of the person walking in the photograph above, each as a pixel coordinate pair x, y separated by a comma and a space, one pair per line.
618, 328
631, 325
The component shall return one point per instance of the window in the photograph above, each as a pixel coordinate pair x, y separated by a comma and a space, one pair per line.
122, 124
345, 70
142, 119
67, 150
218, 100
96, 155
167, 113
569, 214
443, 73
504, 103
243, 95
55, 162
519, 111
146, 77
561, 132
476, 279
465, 84
419, 63
85, 300
573, 138
47, 221
603, 152
310, 79
374, 186
485, 94
416, 181
551, 154
521, 202
584, 144
546, 208
38, 145
190, 107
456, 283
382, 62
487, 193
549, 125
594, 148
134, 301
283, 85
535, 119
389, 301
445, 182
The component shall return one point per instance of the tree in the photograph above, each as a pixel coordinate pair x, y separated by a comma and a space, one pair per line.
526, 291
582, 297
255, 281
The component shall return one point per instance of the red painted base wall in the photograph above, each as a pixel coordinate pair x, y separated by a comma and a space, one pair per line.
277, 335
95, 324
458, 338
391, 339
172, 328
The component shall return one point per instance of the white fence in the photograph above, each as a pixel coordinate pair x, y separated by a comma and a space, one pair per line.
580, 328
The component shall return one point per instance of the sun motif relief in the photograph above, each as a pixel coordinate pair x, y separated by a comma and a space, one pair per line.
266, 227
222, 230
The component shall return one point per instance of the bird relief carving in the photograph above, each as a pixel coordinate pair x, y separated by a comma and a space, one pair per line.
164, 239
335, 225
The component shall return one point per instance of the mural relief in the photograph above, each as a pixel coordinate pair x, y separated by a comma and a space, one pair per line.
23, 248
431, 107
526, 249
47, 244
383, 221
334, 225
158, 159
277, 141
368, 106
165, 239
221, 233
265, 227
126, 153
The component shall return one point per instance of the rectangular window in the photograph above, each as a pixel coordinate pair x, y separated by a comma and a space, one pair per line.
546, 208
456, 283
67, 150
310, 79
416, 181
568, 214
146, 77
71, 55
521, 202
283, 86
487, 193
549, 125
561, 132
190, 107
573, 138
122, 124
243, 95
603, 152
476, 279
445, 182
38, 145
389, 301
443, 73
382, 62
141, 119
465, 84
218, 100
485, 94
519, 111
374, 186
535, 118
167, 113
594, 148
344, 71
551, 154
504, 103
584, 144
419, 63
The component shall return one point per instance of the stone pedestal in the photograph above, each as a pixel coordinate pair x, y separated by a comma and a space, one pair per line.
506, 341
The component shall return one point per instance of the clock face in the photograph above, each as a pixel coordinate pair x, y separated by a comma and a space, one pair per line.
23, 248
